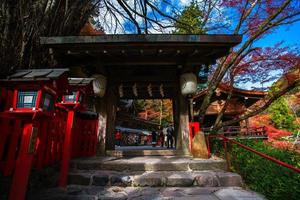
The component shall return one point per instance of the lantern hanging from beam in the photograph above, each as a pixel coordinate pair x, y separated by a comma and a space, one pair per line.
149, 89
161, 90
134, 90
121, 93
188, 83
99, 85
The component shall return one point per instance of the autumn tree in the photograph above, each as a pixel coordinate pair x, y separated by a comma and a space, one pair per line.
156, 110
248, 63
23, 22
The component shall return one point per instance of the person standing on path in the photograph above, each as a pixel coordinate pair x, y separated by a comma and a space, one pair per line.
118, 138
154, 134
170, 135
162, 138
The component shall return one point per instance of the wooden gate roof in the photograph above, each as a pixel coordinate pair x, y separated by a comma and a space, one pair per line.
141, 60
159, 49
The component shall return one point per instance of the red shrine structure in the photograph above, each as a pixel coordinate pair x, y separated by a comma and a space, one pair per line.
41, 123
240, 100
48, 118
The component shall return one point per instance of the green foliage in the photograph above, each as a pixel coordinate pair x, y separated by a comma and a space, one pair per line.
281, 115
298, 113
190, 20
272, 180
157, 110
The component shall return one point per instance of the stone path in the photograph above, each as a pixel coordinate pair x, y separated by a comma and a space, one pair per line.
205, 178
140, 148
146, 193
149, 177
148, 163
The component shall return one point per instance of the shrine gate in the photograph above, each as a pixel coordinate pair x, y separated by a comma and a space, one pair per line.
139, 67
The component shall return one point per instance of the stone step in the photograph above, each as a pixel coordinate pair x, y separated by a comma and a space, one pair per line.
148, 163
74, 192
155, 179
130, 153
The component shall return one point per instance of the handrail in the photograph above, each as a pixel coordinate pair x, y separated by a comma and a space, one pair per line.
241, 130
225, 139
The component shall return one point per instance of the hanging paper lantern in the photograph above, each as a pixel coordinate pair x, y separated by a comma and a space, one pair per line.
149, 89
134, 90
188, 83
121, 93
99, 85
161, 90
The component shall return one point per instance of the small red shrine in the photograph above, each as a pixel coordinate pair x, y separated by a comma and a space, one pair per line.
28, 100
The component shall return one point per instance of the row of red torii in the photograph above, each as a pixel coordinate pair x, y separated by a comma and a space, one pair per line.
44, 118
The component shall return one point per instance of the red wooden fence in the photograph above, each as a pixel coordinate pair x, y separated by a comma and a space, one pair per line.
16, 133
267, 157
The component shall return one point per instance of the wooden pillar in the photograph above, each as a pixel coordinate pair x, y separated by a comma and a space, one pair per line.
111, 110
183, 126
100, 108
175, 105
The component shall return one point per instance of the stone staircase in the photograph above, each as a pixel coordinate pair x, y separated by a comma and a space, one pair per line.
150, 177
151, 152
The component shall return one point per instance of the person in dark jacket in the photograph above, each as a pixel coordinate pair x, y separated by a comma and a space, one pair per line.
161, 138
170, 135
154, 135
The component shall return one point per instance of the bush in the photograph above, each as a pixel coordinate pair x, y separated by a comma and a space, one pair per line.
264, 176
282, 116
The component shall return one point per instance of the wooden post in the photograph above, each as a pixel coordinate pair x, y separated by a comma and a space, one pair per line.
100, 108
111, 110
67, 148
226, 154
191, 109
23, 165
176, 123
183, 130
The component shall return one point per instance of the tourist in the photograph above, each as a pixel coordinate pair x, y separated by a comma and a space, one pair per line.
136, 140
170, 135
118, 138
162, 138
154, 134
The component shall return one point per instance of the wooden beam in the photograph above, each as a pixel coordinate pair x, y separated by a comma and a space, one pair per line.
143, 38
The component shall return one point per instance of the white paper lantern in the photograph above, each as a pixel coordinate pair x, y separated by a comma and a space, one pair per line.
188, 83
99, 85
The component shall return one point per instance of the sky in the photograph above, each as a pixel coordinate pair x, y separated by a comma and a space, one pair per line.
289, 34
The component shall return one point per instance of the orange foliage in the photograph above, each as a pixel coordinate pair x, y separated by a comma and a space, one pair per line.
89, 30
281, 144
274, 134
